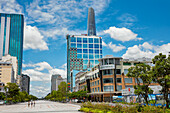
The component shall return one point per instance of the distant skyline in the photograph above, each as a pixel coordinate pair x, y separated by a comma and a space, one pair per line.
128, 29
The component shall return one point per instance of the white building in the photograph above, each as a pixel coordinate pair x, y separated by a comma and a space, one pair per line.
56, 80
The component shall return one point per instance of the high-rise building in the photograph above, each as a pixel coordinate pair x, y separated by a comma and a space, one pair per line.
25, 83
11, 36
55, 81
91, 27
83, 51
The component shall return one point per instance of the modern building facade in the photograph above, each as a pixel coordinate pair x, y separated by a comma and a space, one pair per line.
25, 83
83, 51
109, 77
6, 72
55, 81
11, 36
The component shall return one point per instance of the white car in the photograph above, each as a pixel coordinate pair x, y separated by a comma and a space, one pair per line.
1, 102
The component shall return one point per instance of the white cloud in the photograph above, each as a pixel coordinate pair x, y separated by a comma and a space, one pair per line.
40, 91
40, 74
33, 39
42, 71
62, 11
146, 45
103, 43
127, 18
116, 48
146, 50
122, 34
10, 6
64, 66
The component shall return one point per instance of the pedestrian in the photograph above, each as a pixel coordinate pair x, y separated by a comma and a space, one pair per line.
34, 103
31, 103
28, 103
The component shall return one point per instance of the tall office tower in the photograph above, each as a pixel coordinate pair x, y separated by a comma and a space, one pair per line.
83, 51
11, 36
91, 27
25, 83
55, 81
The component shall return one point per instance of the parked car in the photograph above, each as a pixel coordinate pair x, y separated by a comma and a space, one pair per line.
1, 102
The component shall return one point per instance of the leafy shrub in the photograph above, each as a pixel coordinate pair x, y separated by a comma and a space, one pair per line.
105, 108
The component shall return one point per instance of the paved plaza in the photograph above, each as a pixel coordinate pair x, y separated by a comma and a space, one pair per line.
41, 106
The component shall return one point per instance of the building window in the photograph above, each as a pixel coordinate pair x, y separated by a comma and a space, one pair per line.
105, 61
126, 63
90, 40
73, 39
79, 55
95, 83
108, 80
79, 40
119, 87
96, 56
85, 46
85, 51
108, 88
98, 89
90, 45
91, 56
140, 80
92, 83
97, 51
98, 82
96, 46
117, 61
107, 72
96, 40
79, 51
128, 86
95, 89
79, 45
125, 71
119, 80
84, 40
118, 71
85, 55
73, 45
90, 50
111, 61
128, 80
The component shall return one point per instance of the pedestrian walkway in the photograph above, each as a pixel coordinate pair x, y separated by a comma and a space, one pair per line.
41, 107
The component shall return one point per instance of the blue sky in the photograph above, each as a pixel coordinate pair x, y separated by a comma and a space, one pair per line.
129, 28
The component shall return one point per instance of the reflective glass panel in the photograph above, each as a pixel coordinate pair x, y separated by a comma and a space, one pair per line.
90, 45
84, 40
90, 40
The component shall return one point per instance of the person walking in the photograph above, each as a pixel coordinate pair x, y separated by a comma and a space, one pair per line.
34, 103
31, 103
28, 103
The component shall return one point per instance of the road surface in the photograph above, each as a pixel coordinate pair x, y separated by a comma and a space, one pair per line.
41, 106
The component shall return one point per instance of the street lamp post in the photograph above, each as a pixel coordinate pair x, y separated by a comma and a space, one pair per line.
6, 90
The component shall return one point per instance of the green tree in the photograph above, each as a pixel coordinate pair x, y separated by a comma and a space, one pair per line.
142, 71
13, 90
161, 74
62, 88
2, 96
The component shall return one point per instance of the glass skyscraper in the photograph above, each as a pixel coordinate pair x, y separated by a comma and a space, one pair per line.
11, 36
83, 51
